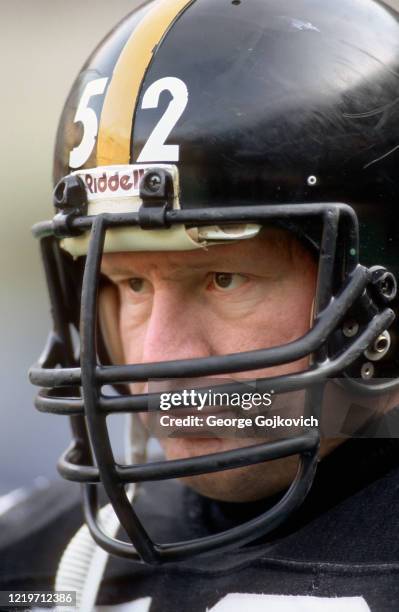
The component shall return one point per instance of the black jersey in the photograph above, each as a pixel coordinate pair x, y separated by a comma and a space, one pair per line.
339, 553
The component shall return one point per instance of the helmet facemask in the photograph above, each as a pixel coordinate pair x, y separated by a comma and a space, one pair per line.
90, 460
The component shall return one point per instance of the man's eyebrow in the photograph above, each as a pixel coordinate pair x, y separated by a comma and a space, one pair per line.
116, 270
213, 263
129, 270
123, 269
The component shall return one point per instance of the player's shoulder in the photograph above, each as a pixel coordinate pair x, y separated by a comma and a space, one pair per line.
35, 525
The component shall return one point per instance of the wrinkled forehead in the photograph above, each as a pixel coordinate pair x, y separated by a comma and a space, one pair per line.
273, 247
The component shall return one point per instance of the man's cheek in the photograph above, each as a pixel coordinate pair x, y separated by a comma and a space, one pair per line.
144, 418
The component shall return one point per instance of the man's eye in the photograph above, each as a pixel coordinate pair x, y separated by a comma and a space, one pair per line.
137, 285
225, 281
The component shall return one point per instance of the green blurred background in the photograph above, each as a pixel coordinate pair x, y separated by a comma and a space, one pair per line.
42, 47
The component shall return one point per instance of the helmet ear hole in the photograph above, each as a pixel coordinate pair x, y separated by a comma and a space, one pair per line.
108, 316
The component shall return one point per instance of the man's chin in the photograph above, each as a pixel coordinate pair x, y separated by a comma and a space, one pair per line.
244, 484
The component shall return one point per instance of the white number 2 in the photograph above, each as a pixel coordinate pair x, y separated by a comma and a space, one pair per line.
80, 154
155, 148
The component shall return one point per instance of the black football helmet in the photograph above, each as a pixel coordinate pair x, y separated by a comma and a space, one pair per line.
196, 122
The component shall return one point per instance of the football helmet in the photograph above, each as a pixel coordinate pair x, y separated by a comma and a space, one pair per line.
196, 122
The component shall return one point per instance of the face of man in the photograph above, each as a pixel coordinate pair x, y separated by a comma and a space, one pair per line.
252, 294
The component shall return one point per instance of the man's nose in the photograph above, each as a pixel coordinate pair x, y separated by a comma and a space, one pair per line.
175, 329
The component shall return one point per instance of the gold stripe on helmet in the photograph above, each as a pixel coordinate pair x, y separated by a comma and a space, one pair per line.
114, 135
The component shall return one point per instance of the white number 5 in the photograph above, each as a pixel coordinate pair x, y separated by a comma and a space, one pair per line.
155, 148
88, 118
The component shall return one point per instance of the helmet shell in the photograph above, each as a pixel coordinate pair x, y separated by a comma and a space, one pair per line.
258, 102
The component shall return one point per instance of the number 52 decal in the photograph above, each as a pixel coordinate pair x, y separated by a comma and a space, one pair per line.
155, 148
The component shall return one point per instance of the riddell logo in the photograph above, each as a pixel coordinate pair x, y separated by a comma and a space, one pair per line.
117, 182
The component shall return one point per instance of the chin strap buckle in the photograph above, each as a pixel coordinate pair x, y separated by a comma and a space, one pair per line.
156, 193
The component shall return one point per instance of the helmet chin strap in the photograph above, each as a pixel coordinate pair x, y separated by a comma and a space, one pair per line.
83, 562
